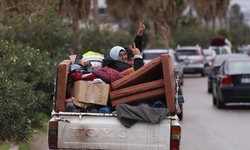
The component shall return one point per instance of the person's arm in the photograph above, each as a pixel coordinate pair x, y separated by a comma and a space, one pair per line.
138, 38
138, 61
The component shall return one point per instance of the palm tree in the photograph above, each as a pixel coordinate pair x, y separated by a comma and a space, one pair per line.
210, 10
75, 9
96, 12
117, 9
164, 13
221, 9
131, 9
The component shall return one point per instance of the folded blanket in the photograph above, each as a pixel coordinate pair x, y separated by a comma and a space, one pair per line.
129, 115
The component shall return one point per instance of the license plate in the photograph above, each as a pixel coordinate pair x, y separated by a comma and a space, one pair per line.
245, 80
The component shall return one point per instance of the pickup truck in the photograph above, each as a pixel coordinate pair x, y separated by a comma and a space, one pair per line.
83, 130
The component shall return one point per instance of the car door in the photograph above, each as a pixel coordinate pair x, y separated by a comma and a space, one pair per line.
216, 83
219, 76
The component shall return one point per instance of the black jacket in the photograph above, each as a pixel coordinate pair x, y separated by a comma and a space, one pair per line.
115, 64
121, 66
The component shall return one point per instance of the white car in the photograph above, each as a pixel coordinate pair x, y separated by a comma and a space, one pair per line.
209, 54
221, 49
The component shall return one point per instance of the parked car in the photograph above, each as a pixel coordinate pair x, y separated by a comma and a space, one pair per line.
194, 59
244, 50
209, 54
232, 83
150, 54
215, 66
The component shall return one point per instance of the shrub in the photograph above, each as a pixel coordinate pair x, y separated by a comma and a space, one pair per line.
43, 29
25, 71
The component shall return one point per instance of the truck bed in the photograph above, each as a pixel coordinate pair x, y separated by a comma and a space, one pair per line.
104, 131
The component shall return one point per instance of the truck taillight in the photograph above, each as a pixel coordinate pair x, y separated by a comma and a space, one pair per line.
52, 135
175, 137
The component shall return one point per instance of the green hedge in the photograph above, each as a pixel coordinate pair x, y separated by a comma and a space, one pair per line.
26, 75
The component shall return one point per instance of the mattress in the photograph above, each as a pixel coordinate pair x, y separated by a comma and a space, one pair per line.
62, 77
149, 72
140, 88
169, 81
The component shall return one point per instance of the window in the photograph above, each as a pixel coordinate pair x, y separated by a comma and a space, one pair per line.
187, 52
151, 55
239, 67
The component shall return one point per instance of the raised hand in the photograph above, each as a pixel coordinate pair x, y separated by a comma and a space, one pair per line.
141, 28
134, 50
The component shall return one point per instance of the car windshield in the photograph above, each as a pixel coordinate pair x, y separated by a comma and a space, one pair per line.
151, 55
239, 67
208, 53
187, 52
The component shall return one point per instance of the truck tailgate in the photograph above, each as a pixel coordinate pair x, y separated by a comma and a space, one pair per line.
106, 132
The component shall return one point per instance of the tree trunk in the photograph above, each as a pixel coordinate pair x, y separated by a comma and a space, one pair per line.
152, 33
190, 17
200, 23
227, 23
165, 32
220, 23
75, 24
95, 12
135, 25
213, 24
179, 23
120, 23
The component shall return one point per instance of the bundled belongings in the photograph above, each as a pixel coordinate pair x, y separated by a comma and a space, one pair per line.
104, 88
92, 58
218, 41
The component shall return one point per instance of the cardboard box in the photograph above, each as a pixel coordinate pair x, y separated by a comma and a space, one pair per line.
87, 92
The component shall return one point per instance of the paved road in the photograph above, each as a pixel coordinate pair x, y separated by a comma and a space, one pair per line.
204, 127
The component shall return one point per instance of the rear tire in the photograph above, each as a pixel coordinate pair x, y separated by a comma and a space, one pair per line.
180, 115
203, 74
209, 90
214, 100
219, 103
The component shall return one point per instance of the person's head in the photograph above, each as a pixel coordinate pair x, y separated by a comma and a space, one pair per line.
130, 56
118, 53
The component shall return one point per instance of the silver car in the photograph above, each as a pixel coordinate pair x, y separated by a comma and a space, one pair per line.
194, 59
